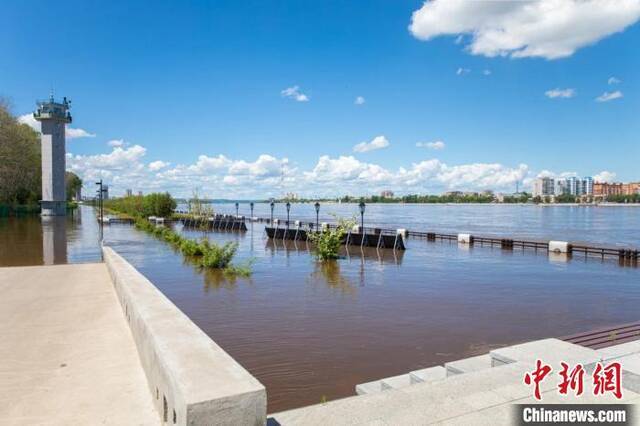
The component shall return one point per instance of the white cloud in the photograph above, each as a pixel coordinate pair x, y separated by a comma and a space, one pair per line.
462, 71
157, 165
609, 96
269, 176
605, 176
486, 72
560, 93
378, 142
613, 80
549, 29
359, 100
116, 143
436, 145
70, 133
295, 94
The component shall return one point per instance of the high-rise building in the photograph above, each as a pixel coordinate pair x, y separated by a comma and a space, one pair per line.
53, 117
105, 192
543, 187
129, 192
386, 194
587, 186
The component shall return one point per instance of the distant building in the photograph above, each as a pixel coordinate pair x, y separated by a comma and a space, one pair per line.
587, 186
129, 192
291, 196
604, 189
105, 192
139, 193
386, 194
543, 187
631, 188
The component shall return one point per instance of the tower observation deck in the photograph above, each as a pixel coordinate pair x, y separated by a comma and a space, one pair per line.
53, 117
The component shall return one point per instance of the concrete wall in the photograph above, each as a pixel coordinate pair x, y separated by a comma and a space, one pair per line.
192, 380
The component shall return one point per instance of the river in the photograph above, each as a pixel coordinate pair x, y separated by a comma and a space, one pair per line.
310, 331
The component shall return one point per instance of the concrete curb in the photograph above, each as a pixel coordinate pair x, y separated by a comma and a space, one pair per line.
192, 380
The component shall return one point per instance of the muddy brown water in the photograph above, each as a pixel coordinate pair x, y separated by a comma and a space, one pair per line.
310, 331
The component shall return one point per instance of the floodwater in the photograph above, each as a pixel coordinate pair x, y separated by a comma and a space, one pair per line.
310, 331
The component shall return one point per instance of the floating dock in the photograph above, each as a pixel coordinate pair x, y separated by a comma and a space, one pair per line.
219, 222
354, 237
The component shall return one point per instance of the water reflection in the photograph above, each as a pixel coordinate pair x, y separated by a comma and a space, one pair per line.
32, 240
278, 246
329, 273
54, 240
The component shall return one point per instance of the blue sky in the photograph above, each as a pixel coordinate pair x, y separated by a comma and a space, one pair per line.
192, 94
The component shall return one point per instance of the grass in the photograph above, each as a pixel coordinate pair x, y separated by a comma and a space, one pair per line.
206, 254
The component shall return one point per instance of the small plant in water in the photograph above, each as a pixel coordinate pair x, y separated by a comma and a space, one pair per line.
328, 241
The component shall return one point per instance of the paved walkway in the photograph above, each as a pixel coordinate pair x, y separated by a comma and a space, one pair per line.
66, 352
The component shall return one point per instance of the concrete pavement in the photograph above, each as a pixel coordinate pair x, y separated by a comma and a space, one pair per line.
68, 356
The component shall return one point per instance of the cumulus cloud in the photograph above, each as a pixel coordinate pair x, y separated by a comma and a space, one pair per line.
609, 96
560, 93
70, 132
486, 72
549, 29
294, 93
157, 165
436, 145
605, 176
359, 100
462, 71
378, 142
270, 176
613, 80
116, 143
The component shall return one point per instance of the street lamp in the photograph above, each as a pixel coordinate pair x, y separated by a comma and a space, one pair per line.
272, 206
317, 206
288, 208
251, 206
236, 209
362, 206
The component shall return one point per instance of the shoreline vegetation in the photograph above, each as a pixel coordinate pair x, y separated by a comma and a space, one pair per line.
204, 253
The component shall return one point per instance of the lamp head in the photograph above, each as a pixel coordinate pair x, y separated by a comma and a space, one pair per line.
317, 206
362, 207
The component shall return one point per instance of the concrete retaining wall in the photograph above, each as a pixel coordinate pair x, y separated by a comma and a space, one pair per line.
192, 380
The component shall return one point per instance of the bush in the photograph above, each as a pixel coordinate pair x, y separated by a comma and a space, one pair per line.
143, 206
327, 242
219, 256
210, 255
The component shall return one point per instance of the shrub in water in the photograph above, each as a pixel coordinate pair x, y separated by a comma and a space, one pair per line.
217, 256
327, 242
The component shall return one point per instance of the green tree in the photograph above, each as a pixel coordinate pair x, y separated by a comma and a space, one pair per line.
20, 176
72, 184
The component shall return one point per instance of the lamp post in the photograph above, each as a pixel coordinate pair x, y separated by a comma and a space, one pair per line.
317, 206
237, 209
251, 206
362, 207
100, 209
272, 206
288, 209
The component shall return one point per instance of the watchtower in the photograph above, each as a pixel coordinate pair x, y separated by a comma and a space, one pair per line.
53, 116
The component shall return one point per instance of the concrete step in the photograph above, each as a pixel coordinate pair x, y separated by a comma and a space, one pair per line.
430, 374
396, 382
550, 351
369, 387
623, 349
468, 365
